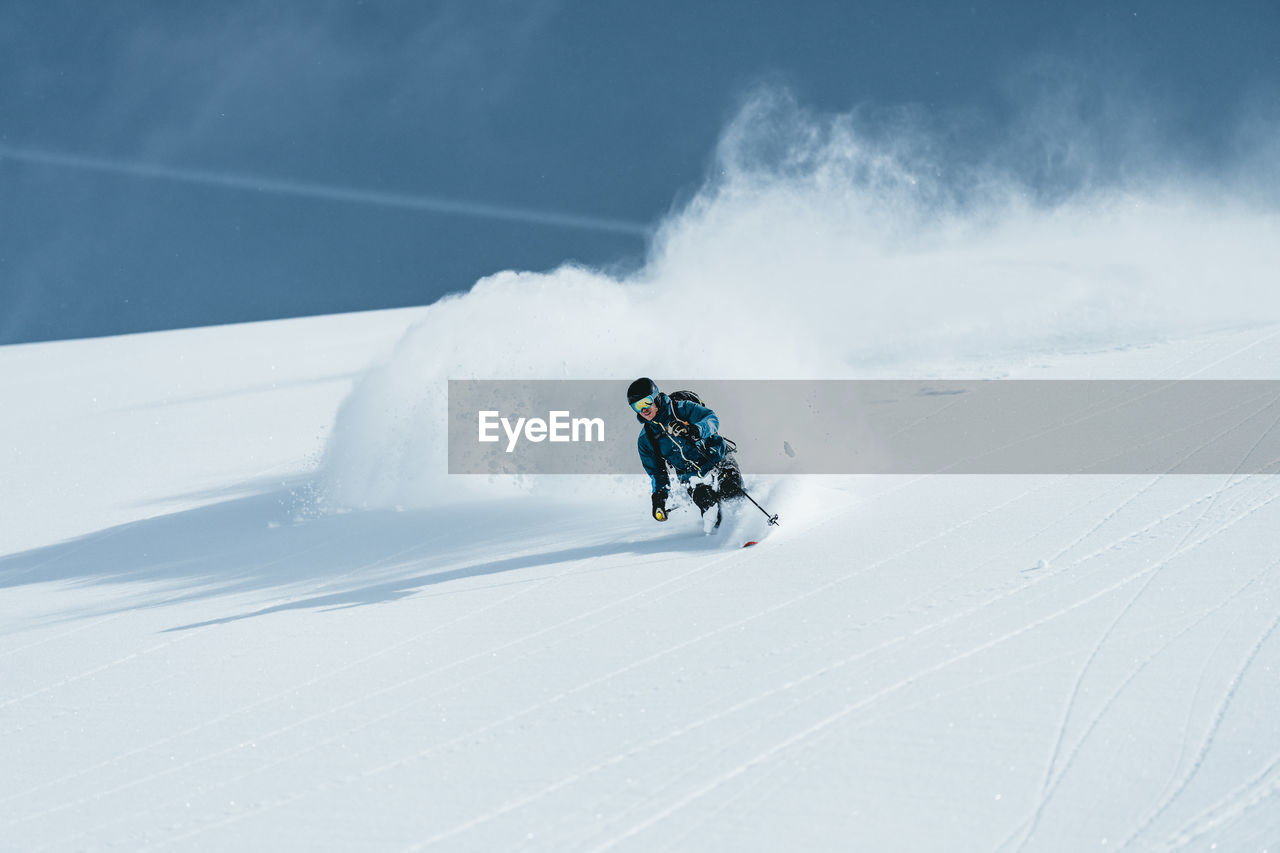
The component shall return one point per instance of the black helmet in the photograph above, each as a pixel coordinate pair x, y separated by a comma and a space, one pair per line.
641, 388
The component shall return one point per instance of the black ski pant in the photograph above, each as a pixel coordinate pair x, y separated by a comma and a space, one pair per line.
728, 485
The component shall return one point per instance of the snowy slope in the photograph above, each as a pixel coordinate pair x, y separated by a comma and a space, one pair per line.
245, 607
197, 656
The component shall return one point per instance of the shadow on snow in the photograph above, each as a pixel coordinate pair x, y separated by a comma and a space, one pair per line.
255, 544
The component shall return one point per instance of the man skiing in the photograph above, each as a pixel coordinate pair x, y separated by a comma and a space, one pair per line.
683, 433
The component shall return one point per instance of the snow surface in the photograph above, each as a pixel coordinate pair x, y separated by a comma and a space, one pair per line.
197, 656
244, 606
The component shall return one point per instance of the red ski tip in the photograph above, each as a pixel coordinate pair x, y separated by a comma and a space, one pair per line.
749, 544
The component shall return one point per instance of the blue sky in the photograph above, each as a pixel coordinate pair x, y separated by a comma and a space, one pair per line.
179, 164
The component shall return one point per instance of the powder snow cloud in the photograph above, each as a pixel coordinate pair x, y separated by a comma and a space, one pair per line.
844, 245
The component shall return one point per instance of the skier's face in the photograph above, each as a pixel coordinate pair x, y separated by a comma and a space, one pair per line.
647, 408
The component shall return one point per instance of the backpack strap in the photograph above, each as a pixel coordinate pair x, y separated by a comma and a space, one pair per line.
653, 442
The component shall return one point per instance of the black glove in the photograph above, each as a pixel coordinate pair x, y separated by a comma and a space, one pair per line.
684, 430
660, 505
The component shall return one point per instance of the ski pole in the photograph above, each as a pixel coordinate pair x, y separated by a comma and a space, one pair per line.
773, 519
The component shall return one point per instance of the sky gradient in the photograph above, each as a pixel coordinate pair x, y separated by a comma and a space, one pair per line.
170, 165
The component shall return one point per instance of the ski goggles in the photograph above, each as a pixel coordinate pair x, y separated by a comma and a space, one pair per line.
641, 405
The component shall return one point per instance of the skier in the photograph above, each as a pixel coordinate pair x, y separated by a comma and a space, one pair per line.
680, 431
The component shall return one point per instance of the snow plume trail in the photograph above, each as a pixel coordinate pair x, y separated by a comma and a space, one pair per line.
324, 192
831, 246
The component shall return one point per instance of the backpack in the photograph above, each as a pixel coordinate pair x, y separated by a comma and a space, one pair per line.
688, 397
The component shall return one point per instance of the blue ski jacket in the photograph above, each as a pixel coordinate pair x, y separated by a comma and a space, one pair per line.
690, 457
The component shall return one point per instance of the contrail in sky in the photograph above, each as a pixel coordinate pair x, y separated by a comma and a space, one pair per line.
299, 189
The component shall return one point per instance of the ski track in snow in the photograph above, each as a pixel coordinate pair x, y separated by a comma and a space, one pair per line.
524, 712
385, 690
689, 799
933, 626
1050, 785
797, 599
1265, 338
799, 692
1207, 744
1048, 780
180, 735
510, 806
160, 647
1244, 799
1178, 552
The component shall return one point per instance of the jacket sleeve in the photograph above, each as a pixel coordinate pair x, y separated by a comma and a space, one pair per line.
700, 416
654, 465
